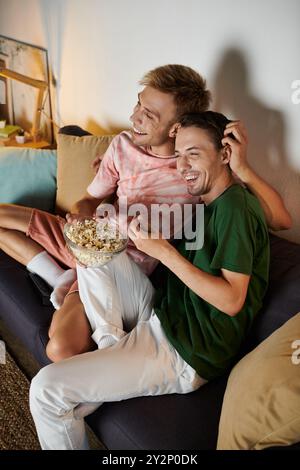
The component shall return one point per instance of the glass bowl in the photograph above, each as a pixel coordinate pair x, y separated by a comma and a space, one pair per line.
94, 243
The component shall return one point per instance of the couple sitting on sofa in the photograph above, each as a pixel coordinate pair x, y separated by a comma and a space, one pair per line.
193, 329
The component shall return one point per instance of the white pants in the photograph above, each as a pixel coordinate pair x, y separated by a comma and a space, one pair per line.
115, 297
142, 362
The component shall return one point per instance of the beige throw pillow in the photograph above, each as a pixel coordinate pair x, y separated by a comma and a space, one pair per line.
74, 172
261, 406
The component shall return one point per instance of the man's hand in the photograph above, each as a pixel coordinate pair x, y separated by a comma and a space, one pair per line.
96, 163
71, 218
238, 145
150, 243
277, 215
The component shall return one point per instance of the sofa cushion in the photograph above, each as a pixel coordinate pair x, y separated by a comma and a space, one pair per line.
265, 389
28, 177
74, 172
166, 422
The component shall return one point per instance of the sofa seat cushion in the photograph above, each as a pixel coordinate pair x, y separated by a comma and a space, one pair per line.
22, 309
167, 422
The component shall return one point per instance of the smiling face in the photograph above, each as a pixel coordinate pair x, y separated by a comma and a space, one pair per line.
199, 162
152, 119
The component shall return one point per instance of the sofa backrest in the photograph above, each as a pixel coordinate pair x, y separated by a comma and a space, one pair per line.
282, 300
28, 177
74, 171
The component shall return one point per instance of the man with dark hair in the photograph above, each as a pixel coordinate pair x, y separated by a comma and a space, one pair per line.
192, 331
213, 293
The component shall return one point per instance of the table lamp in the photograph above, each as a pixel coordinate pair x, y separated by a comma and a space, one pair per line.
41, 85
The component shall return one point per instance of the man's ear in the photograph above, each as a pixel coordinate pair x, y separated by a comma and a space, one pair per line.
226, 154
173, 130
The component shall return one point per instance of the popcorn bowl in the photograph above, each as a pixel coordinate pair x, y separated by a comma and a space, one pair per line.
94, 243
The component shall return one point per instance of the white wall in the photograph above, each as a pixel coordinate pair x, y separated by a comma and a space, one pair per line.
248, 51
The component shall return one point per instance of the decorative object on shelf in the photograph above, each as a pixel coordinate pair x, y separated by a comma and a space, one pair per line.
25, 90
20, 137
2, 123
9, 131
41, 85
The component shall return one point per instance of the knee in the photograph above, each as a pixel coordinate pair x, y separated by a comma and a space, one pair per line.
59, 348
42, 387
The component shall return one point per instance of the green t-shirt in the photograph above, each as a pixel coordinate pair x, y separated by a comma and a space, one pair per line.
235, 238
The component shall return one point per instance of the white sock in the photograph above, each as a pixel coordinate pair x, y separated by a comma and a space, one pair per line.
46, 267
62, 286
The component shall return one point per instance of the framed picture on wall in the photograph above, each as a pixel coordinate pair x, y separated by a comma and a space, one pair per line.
17, 99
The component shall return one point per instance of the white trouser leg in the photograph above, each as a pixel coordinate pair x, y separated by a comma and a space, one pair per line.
114, 296
141, 363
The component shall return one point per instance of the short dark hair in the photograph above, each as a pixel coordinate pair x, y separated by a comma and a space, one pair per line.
186, 85
214, 123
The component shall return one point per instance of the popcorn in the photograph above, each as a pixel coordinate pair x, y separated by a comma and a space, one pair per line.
93, 243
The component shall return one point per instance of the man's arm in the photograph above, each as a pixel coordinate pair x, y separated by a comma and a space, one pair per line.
277, 216
226, 292
85, 206
95, 165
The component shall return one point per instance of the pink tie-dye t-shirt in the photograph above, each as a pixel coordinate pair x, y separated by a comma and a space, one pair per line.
141, 176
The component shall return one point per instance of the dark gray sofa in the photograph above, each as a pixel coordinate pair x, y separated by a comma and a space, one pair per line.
171, 422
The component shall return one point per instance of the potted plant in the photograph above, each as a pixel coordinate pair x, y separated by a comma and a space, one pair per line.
20, 137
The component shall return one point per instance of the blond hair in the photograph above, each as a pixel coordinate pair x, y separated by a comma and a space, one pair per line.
185, 84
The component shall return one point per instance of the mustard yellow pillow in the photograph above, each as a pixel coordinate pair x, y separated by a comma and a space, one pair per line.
261, 406
74, 172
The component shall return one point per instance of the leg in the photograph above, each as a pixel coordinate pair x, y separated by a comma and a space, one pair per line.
14, 223
140, 364
115, 297
47, 230
69, 332
28, 235
102, 290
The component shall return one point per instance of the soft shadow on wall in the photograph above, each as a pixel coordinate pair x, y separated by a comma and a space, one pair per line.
267, 152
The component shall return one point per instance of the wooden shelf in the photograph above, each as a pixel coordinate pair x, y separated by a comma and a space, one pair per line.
30, 144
